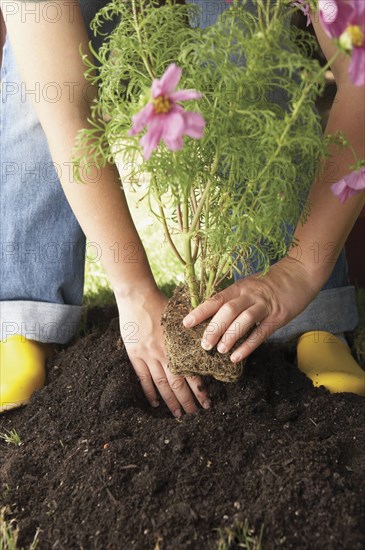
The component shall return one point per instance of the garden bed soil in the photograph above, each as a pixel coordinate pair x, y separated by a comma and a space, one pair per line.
99, 469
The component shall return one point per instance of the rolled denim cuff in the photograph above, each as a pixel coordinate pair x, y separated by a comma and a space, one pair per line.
40, 321
333, 310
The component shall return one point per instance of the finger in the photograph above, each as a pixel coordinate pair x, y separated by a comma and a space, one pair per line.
206, 309
258, 336
144, 376
244, 322
224, 319
197, 386
182, 392
159, 377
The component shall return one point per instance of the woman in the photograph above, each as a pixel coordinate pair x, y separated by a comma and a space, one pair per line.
45, 214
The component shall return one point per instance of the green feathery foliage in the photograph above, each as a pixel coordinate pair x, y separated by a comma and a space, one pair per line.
236, 193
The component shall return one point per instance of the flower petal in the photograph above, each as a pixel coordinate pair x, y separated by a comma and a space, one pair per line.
156, 88
168, 82
185, 95
152, 138
340, 190
334, 16
173, 125
357, 66
174, 144
304, 7
356, 180
349, 185
328, 10
358, 11
194, 124
141, 119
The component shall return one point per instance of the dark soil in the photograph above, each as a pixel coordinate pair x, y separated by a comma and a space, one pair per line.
99, 469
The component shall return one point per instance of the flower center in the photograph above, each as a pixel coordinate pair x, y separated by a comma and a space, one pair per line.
356, 35
161, 104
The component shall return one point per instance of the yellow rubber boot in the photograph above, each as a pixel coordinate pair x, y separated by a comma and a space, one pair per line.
328, 362
22, 370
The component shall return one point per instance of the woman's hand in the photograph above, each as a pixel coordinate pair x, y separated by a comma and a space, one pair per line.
140, 323
269, 303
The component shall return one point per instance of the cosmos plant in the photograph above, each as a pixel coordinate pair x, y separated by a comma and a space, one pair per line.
230, 167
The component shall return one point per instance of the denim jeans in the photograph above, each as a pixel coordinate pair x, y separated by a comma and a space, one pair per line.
43, 246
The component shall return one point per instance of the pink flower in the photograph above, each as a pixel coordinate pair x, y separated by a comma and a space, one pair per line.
165, 119
349, 185
304, 7
345, 21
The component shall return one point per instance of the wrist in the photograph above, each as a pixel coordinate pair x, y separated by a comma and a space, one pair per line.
131, 275
131, 290
312, 274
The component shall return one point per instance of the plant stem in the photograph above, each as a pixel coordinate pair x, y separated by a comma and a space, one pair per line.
278, 5
268, 13
165, 226
205, 194
208, 289
221, 273
259, 15
179, 217
194, 206
354, 154
138, 31
189, 262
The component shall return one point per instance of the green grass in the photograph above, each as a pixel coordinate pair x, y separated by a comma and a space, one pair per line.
239, 536
97, 290
9, 533
11, 437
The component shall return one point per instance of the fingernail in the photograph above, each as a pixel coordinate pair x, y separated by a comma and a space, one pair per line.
207, 404
155, 403
188, 321
206, 345
222, 348
178, 413
235, 357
